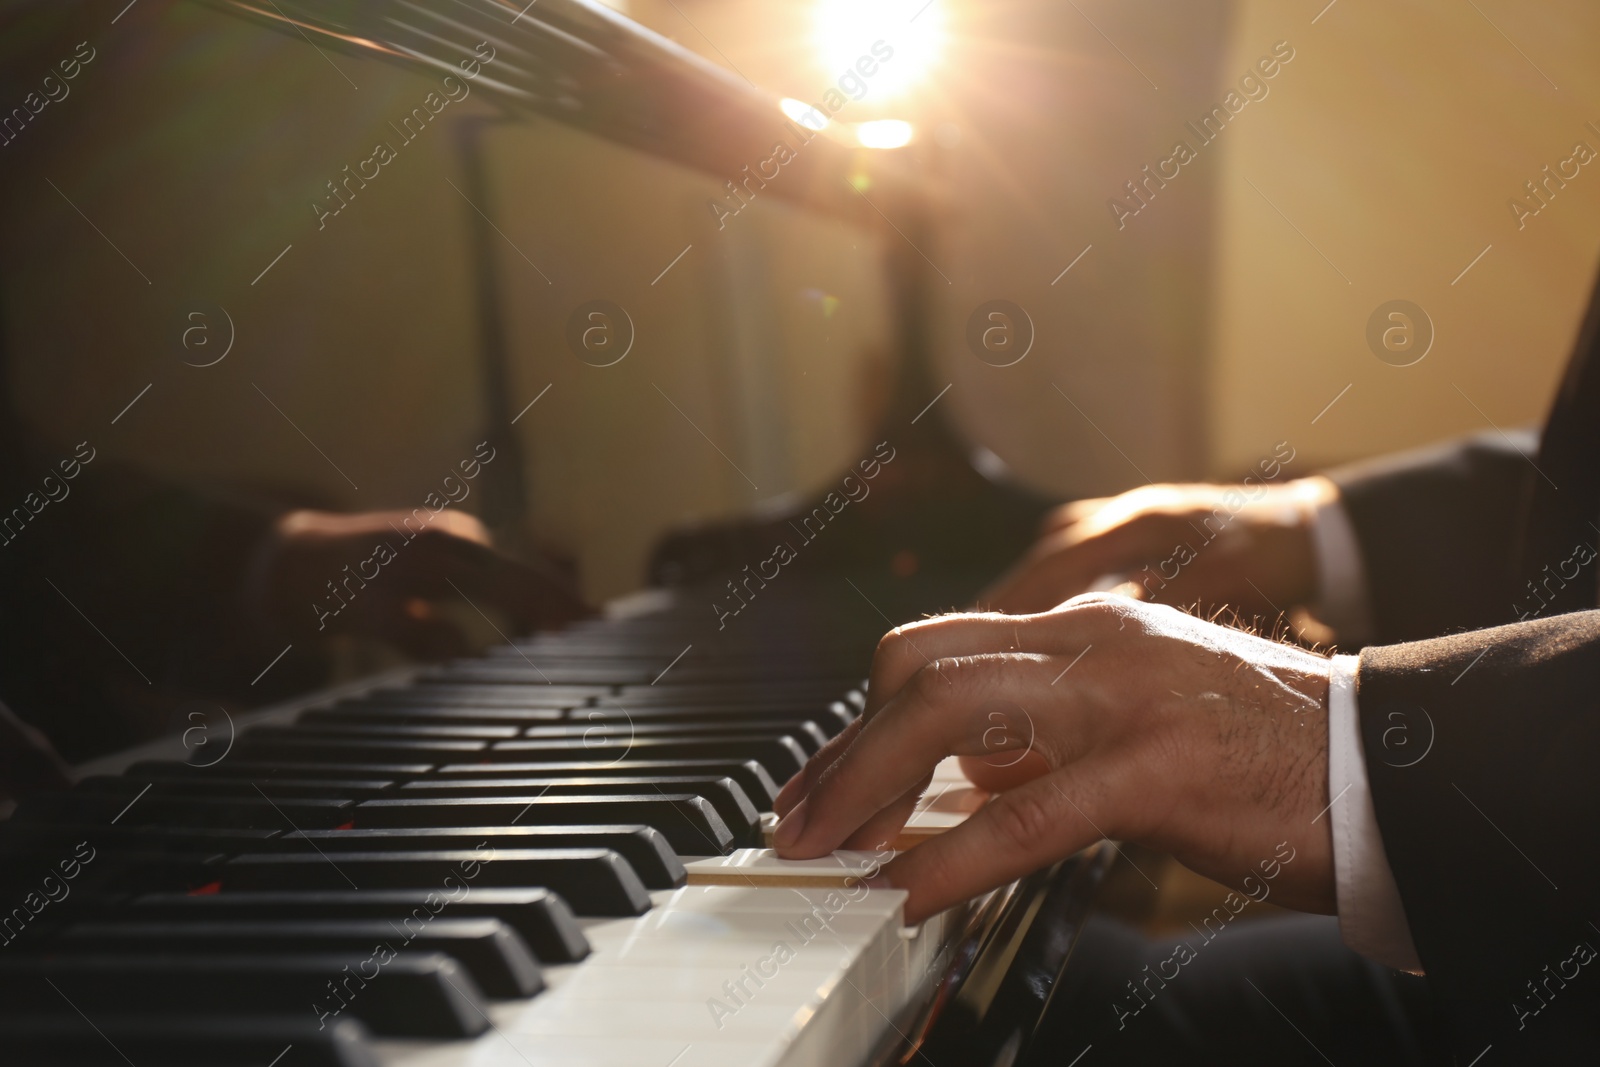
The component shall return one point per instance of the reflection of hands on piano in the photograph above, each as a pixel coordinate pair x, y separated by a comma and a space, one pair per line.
28, 762
381, 574
1246, 546
1145, 724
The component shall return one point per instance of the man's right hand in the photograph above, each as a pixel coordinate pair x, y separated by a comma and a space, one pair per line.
1247, 547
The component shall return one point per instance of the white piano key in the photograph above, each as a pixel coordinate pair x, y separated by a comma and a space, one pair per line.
734, 928
504, 1050
949, 799
722, 899
661, 974
757, 867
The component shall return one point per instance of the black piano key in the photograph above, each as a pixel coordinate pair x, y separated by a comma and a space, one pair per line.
644, 849
565, 651
776, 694
132, 869
543, 918
310, 748
603, 648
752, 777
241, 812
782, 756
830, 718
233, 768
278, 789
437, 714
805, 732
491, 952
594, 881
44, 836
688, 822
404, 731
549, 673
377, 731
536, 695
804, 672
414, 995
724, 794
181, 1039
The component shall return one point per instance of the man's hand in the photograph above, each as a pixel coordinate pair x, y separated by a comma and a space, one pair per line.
389, 594
1147, 725
1243, 546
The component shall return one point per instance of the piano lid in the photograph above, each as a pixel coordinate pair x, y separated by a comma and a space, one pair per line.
584, 64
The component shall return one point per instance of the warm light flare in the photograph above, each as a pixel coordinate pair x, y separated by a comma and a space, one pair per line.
847, 29
884, 133
805, 114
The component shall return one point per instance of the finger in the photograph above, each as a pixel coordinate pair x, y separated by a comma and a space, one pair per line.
1066, 563
1130, 589
996, 775
933, 716
1059, 564
1016, 833
806, 777
445, 566
907, 649
876, 833
1072, 512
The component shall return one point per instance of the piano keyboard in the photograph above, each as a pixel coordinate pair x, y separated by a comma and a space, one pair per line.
486, 864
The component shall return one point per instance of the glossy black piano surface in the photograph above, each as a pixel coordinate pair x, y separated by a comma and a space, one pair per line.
262, 898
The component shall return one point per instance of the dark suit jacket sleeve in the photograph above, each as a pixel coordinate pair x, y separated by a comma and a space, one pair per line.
1492, 833
1437, 529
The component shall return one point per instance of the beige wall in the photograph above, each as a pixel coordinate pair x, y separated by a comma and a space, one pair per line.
1209, 329
1406, 128
1026, 128
1191, 342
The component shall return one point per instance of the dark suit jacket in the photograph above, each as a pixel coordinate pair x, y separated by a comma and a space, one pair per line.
1480, 716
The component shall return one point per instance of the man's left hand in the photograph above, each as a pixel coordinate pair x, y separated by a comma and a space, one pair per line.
449, 559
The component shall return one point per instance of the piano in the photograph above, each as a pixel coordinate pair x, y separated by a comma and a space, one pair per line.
551, 853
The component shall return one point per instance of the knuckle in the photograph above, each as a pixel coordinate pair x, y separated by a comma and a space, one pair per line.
1020, 820
958, 678
931, 681
1097, 607
896, 655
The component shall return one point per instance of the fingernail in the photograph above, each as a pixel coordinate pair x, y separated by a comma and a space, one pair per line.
790, 827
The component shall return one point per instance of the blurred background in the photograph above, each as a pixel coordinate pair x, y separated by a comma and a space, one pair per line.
1188, 342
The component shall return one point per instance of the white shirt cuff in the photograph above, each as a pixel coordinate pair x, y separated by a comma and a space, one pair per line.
1342, 603
1372, 919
